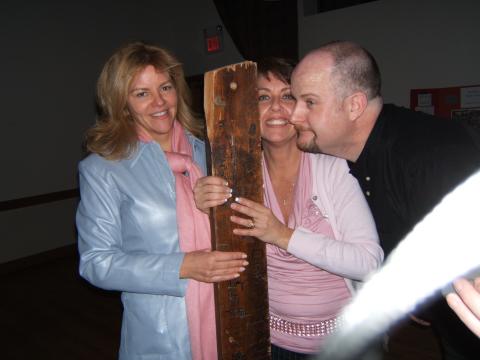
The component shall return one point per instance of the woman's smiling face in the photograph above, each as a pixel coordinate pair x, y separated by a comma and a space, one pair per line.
152, 101
275, 104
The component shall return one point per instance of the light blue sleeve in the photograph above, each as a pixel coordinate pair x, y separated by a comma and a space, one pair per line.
199, 153
104, 262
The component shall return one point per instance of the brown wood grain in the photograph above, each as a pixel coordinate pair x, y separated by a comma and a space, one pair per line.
233, 129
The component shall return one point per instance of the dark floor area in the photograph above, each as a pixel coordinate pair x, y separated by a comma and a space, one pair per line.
48, 312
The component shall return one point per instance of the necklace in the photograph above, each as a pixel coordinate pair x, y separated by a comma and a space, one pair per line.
287, 199
283, 180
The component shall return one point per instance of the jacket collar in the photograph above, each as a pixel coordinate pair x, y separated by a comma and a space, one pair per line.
142, 145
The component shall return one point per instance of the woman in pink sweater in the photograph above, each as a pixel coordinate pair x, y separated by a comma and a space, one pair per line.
319, 231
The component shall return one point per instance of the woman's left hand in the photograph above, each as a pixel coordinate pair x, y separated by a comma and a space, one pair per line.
261, 223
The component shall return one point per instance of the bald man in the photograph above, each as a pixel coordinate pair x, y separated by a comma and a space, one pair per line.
405, 161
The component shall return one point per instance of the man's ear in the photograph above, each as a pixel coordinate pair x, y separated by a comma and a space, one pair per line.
356, 105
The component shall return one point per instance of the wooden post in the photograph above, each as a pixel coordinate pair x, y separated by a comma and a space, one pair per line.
233, 128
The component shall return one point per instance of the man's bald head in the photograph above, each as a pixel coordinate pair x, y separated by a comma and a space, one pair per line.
337, 88
352, 68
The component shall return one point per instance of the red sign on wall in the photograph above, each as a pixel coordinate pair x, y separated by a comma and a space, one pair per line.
444, 102
213, 39
213, 44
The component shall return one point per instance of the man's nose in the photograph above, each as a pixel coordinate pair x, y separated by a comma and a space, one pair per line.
296, 116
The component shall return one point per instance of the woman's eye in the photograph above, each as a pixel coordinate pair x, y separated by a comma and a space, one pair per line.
141, 94
309, 103
263, 98
167, 87
288, 97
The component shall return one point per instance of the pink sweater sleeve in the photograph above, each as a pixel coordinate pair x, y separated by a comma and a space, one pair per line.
355, 251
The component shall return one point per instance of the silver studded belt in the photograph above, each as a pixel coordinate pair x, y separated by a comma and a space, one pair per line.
309, 329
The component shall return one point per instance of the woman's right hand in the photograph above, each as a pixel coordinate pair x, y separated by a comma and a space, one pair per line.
211, 191
212, 266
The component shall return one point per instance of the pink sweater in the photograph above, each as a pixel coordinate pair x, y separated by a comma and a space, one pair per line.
334, 242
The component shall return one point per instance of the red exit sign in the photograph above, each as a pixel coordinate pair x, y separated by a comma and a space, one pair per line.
213, 44
213, 39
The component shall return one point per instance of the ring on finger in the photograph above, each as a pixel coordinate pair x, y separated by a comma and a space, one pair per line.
251, 225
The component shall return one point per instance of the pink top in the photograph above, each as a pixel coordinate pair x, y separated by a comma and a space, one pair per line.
299, 290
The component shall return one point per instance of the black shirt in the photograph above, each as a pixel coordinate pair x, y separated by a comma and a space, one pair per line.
410, 161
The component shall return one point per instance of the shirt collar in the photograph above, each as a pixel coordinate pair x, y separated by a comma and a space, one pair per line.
373, 144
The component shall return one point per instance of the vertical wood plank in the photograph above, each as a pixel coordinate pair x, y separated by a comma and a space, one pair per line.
233, 130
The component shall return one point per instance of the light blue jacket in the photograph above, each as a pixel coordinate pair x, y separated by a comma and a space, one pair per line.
128, 241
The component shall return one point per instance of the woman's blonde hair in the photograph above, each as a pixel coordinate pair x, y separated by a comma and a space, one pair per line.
114, 134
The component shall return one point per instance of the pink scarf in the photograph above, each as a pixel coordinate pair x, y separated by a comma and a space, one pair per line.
194, 234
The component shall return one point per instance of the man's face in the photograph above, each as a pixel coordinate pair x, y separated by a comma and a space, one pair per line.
319, 115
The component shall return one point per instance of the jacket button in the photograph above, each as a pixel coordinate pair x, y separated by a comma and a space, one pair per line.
314, 197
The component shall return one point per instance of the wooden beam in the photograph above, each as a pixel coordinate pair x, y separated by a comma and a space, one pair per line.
233, 129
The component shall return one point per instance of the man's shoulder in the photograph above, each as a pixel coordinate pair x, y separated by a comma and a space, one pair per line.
408, 118
405, 118
413, 138
418, 129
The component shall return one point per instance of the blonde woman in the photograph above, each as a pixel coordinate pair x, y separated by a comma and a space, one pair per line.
139, 231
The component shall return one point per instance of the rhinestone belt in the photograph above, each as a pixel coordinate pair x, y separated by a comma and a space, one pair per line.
310, 329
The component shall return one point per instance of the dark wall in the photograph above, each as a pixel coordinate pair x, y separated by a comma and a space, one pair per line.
51, 54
